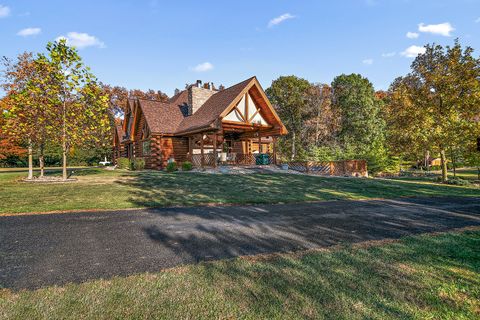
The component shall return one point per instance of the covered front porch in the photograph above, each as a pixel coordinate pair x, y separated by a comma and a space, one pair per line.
211, 149
244, 133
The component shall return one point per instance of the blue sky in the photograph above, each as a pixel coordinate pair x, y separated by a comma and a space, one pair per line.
165, 44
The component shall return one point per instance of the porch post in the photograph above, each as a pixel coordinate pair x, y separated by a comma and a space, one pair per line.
201, 152
275, 150
259, 143
215, 150
190, 149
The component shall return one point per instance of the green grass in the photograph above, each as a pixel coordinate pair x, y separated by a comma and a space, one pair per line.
421, 277
465, 173
102, 189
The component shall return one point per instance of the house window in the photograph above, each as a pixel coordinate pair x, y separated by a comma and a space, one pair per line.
146, 148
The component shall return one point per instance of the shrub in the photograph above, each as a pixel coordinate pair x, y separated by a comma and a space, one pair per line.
459, 182
171, 167
187, 166
123, 163
138, 164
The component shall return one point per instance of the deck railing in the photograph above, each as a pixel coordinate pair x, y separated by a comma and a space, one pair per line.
357, 168
331, 168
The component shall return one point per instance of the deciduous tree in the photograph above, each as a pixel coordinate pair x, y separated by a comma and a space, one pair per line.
439, 101
288, 95
75, 97
9, 147
361, 131
28, 116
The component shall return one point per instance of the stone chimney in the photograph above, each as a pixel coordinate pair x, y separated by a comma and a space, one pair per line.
198, 95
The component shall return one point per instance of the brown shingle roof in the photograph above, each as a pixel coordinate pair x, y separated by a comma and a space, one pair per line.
180, 98
167, 117
212, 108
161, 117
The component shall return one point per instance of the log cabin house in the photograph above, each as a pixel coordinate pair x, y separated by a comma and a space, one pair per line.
202, 125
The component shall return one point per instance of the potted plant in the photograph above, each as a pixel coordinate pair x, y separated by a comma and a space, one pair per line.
223, 154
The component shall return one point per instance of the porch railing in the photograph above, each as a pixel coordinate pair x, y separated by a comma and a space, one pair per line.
208, 160
231, 159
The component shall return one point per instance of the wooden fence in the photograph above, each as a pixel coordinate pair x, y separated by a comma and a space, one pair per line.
351, 168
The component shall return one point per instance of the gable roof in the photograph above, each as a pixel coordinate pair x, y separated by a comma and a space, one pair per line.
213, 107
167, 117
161, 117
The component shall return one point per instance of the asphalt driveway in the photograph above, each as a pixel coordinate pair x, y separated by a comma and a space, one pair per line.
41, 250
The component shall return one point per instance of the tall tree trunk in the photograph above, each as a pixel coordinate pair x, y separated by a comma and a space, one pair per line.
443, 159
64, 142
64, 157
453, 164
294, 138
30, 160
41, 159
427, 160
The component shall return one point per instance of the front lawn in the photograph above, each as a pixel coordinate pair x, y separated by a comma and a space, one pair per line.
422, 277
102, 189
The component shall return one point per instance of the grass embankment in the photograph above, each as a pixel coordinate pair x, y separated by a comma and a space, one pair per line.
102, 189
421, 277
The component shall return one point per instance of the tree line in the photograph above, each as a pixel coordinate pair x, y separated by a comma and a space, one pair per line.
432, 111
55, 105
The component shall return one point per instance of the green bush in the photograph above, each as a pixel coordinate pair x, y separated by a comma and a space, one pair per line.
138, 164
187, 166
458, 182
171, 167
123, 163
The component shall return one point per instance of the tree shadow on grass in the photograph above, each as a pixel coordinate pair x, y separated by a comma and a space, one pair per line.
372, 283
317, 285
151, 189
364, 283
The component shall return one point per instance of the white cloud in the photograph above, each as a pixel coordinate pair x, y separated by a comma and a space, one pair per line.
413, 51
477, 20
4, 11
388, 54
280, 19
82, 40
443, 29
412, 35
203, 67
367, 61
29, 32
